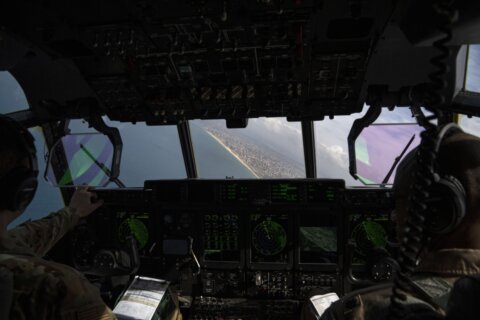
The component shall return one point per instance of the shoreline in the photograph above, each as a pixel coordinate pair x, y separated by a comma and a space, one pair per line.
233, 153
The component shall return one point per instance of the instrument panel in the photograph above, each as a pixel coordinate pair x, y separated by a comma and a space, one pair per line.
252, 239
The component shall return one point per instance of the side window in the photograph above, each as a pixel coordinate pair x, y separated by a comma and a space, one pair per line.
12, 97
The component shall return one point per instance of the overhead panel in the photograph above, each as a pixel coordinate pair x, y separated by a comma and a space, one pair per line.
165, 62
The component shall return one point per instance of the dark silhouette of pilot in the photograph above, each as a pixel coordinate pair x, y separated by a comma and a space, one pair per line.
31, 287
445, 258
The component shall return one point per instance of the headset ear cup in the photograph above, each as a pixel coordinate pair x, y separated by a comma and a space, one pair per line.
18, 189
25, 193
446, 206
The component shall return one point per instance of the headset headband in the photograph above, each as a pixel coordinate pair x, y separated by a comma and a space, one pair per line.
445, 131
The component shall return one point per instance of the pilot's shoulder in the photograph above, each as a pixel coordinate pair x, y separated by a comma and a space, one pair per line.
30, 272
51, 289
36, 291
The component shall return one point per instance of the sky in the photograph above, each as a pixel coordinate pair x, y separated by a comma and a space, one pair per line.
473, 71
12, 97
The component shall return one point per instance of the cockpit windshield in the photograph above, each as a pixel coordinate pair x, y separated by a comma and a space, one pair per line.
149, 152
267, 148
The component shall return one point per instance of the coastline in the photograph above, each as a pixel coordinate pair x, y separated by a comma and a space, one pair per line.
232, 153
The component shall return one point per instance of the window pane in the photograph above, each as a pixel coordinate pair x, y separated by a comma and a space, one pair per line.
470, 125
149, 152
332, 147
267, 148
86, 160
47, 198
472, 82
12, 97
380, 148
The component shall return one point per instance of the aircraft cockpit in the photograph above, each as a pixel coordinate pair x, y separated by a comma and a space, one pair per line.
245, 151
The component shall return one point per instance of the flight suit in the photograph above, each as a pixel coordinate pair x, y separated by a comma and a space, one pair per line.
45, 289
437, 269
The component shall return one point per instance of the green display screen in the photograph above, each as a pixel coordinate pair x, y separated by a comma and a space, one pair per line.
285, 192
135, 224
368, 233
269, 238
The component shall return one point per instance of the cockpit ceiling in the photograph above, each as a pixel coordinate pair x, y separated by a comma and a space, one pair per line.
164, 62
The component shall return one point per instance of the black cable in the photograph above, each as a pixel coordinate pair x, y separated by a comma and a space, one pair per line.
446, 15
414, 235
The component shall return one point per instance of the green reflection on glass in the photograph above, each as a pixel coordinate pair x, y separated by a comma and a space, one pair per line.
84, 160
362, 150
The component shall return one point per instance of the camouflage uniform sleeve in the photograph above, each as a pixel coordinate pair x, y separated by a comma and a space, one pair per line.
41, 235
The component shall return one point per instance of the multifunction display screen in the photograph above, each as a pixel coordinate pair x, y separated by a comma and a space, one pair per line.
269, 238
368, 232
221, 237
318, 238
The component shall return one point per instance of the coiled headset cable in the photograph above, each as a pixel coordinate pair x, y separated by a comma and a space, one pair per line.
414, 234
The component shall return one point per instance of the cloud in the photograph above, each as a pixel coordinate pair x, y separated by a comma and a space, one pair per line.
332, 148
279, 125
339, 154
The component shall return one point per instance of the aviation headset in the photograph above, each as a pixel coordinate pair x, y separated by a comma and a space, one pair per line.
18, 186
446, 202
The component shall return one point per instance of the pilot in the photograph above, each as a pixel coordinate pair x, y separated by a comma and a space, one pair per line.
446, 258
31, 287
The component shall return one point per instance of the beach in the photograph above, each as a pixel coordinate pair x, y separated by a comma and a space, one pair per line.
233, 153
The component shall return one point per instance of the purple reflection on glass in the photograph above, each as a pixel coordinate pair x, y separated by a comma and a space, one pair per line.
379, 145
88, 156
102, 160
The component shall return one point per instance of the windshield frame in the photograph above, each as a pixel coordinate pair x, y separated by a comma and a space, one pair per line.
307, 131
